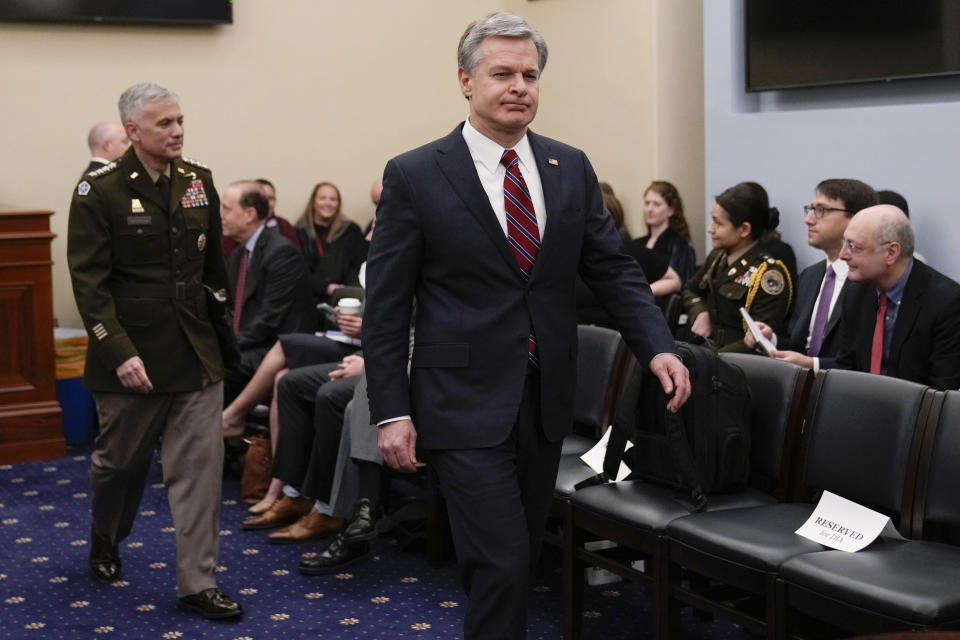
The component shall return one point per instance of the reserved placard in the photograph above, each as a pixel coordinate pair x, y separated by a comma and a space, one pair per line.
594, 457
845, 525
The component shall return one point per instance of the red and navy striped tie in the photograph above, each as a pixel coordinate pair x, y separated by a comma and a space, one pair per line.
523, 234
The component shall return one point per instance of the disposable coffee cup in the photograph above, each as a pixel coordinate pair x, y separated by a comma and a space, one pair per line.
349, 306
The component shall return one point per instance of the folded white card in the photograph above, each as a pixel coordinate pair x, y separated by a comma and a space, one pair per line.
841, 524
764, 343
594, 457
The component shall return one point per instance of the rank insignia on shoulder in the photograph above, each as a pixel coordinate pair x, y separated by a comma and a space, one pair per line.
771, 261
195, 163
201, 242
136, 206
772, 282
83, 188
107, 168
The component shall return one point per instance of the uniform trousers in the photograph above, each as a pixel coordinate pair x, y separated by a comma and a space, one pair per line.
187, 427
498, 499
310, 407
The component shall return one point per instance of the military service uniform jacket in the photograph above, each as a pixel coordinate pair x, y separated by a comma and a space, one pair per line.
140, 267
755, 281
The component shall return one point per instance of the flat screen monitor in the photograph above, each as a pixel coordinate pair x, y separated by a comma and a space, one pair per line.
147, 11
802, 43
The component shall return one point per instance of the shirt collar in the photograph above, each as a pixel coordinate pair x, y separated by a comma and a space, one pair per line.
895, 293
252, 242
488, 153
99, 159
840, 268
155, 175
733, 257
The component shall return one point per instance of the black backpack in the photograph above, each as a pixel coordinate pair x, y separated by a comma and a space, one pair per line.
702, 449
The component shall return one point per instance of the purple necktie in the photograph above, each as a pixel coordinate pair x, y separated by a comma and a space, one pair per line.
823, 313
241, 285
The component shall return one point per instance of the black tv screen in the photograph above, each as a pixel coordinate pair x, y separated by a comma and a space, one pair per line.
159, 11
801, 43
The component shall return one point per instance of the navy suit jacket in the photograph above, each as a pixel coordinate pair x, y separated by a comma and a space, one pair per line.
276, 294
798, 324
439, 241
925, 347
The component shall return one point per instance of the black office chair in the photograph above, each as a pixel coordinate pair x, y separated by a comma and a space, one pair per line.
894, 585
601, 357
634, 514
859, 437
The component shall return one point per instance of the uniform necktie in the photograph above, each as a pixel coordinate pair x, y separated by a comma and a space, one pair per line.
163, 186
823, 312
876, 352
523, 234
238, 294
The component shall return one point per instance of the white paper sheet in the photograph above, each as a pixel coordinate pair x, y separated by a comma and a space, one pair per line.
841, 524
765, 344
594, 457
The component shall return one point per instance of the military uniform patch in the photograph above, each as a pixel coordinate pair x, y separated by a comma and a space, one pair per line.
83, 188
772, 282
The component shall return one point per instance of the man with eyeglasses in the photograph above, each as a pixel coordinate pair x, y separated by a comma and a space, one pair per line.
905, 321
813, 325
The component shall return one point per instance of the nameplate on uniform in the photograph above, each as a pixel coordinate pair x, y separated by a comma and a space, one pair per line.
841, 524
139, 220
195, 196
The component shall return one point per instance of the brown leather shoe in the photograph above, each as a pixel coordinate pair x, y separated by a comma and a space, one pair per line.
313, 525
281, 513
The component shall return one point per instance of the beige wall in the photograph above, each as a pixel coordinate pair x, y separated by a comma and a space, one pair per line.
302, 91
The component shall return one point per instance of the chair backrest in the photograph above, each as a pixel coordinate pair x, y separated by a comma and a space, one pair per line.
937, 498
863, 435
601, 355
671, 306
778, 395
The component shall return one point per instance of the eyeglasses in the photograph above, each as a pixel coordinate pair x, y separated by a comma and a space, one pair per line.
854, 248
819, 210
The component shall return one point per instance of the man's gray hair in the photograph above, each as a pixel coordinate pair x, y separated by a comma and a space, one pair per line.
497, 24
896, 229
134, 99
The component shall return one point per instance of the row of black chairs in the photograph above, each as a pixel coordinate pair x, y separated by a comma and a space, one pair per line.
889, 444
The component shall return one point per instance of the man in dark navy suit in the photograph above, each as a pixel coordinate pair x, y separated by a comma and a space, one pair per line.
904, 321
487, 229
813, 328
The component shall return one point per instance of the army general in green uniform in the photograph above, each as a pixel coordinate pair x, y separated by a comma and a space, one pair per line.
144, 249
738, 272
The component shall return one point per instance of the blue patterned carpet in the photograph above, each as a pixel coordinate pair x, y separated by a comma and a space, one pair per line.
45, 591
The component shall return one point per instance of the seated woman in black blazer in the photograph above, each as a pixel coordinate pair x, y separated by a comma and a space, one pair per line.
332, 245
668, 233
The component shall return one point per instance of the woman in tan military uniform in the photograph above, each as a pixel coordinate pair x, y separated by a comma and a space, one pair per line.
738, 272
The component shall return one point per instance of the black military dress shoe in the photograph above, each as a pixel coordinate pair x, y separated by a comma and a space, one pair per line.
104, 558
335, 557
363, 524
212, 604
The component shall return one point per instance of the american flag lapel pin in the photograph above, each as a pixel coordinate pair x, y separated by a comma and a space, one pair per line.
553, 161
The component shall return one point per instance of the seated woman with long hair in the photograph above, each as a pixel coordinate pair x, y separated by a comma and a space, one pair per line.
332, 245
667, 230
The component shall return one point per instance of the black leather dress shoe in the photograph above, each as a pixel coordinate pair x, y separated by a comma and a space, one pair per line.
337, 556
363, 524
104, 558
212, 604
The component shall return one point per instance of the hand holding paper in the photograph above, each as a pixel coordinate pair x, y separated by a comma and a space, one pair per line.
761, 339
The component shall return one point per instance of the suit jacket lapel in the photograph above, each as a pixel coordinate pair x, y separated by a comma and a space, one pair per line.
806, 298
837, 311
138, 179
454, 160
909, 310
253, 268
550, 184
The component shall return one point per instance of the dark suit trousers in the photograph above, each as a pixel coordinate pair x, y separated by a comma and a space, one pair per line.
498, 499
311, 407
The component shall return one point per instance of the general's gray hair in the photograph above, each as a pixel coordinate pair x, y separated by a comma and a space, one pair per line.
896, 228
497, 24
139, 95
